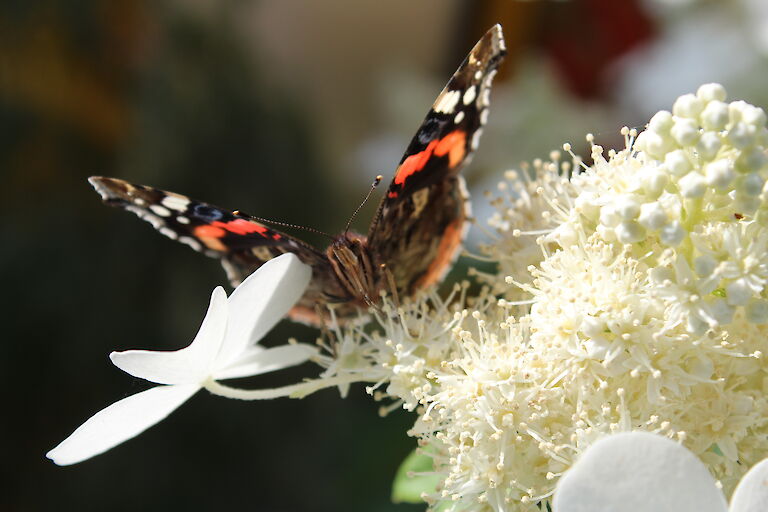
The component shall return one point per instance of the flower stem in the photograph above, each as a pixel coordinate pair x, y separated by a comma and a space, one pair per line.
299, 390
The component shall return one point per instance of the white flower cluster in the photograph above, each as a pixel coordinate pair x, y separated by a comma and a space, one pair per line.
645, 276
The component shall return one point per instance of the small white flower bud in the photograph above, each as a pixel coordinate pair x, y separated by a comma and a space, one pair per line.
751, 184
660, 274
688, 105
741, 135
722, 312
677, 162
709, 144
627, 206
711, 92
757, 311
704, 265
654, 180
685, 132
652, 216
754, 116
751, 159
586, 204
672, 234
609, 217
715, 116
629, 232
746, 205
692, 185
597, 348
606, 233
592, 326
720, 173
564, 235
661, 122
654, 144
739, 292
735, 109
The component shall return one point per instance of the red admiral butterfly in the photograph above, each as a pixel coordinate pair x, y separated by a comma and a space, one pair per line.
415, 235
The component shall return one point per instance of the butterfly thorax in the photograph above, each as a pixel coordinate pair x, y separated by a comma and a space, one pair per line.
354, 267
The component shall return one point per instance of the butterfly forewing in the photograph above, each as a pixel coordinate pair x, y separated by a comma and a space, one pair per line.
421, 220
242, 243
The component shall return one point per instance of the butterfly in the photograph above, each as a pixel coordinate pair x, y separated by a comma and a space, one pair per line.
415, 235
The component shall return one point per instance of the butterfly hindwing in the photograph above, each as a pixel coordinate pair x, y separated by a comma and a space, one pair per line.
421, 220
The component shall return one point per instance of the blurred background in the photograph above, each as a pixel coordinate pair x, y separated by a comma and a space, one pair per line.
286, 110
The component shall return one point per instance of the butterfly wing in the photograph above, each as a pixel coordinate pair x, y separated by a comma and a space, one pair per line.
421, 220
242, 243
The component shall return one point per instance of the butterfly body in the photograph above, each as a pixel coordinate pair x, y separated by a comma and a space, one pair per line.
414, 237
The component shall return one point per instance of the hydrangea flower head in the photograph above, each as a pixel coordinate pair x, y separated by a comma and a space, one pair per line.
630, 296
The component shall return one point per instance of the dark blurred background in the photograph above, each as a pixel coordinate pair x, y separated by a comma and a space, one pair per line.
286, 110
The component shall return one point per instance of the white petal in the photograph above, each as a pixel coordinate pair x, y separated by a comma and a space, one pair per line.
261, 301
751, 495
257, 360
119, 422
187, 365
638, 472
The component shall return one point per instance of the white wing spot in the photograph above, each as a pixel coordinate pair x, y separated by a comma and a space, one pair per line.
484, 116
446, 102
478, 74
168, 232
485, 97
139, 201
188, 240
177, 203
476, 138
459, 117
160, 210
182, 219
470, 95
156, 221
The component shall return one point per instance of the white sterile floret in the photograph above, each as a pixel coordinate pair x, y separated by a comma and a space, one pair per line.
225, 347
639, 472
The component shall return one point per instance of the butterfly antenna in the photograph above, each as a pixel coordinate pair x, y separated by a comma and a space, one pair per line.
284, 224
373, 187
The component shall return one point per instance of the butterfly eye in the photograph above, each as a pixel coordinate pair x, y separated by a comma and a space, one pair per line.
207, 213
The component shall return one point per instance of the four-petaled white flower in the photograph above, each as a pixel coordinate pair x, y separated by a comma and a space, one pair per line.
644, 472
225, 347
